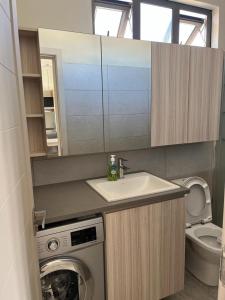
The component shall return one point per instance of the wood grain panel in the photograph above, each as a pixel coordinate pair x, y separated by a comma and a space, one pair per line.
36, 136
204, 94
132, 252
169, 107
145, 251
172, 249
32, 93
29, 51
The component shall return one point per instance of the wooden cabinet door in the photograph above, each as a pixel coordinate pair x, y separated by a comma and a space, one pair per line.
204, 94
132, 253
145, 251
172, 247
169, 107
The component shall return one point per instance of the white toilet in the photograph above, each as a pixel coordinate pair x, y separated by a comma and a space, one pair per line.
203, 239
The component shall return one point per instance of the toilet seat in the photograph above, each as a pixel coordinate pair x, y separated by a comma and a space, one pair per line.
196, 233
198, 201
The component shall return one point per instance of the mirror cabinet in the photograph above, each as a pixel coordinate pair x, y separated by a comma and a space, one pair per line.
104, 94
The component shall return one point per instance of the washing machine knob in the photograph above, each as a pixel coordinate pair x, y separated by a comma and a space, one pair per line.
53, 245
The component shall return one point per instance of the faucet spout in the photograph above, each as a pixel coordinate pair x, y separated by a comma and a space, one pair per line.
122, 167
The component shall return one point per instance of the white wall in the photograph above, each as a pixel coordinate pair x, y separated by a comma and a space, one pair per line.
71, 15
76, 15
18, 260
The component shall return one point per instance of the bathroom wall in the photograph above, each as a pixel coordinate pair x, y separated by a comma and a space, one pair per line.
174, 161
18, 261
169, 162
71, 15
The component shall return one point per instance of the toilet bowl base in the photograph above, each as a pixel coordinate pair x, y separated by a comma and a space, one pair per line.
202, 264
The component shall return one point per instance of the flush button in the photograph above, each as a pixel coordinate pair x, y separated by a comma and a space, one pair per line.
53, 245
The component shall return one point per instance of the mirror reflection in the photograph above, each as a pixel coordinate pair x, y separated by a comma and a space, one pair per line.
96, 92
72, 88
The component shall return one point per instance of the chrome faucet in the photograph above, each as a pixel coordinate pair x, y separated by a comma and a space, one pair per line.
121, 166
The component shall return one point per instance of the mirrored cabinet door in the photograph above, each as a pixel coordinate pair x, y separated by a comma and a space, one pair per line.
126, 69
77, 105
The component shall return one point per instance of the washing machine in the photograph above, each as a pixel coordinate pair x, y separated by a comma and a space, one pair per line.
72, 261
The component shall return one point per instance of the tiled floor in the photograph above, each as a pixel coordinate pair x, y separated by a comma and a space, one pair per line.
195, 290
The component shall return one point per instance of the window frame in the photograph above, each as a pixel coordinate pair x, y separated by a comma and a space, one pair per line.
126, 7
135, 6
176, 17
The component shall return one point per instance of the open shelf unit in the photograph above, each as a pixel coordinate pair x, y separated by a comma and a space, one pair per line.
33, 92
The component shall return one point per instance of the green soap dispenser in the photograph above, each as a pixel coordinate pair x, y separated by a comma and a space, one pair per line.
112, 169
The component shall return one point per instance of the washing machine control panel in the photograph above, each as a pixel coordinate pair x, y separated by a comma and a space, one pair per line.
67, 238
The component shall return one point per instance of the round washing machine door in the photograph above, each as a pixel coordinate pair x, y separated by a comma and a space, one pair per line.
65, 278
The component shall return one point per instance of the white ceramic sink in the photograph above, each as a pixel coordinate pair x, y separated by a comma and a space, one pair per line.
132, 185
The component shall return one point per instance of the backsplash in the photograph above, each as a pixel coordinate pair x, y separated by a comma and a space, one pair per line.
169, 162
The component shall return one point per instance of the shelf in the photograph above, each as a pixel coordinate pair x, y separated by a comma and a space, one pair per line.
29, 50
31, 75
37, 139
33, 93
38, 154
49, 107
35, 116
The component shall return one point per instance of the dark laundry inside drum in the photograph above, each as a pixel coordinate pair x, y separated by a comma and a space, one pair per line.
60, 285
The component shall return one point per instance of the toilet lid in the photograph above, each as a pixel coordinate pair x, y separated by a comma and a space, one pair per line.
198, 201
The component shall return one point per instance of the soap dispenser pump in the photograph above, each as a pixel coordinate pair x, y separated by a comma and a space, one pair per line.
112, 168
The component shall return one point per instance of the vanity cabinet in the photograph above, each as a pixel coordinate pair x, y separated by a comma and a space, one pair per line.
145, 249
186, 94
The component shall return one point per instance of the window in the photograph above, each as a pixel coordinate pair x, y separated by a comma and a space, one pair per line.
167, 21
154, 20
192, 29
113, 18
156, 23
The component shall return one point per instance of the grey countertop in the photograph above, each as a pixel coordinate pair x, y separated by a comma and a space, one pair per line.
75, 199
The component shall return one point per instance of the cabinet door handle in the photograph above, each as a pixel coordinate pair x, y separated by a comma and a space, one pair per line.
222, 266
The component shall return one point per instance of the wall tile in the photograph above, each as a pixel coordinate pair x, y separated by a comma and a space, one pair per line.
128, 102
6, 42
169, 162
131, 143
149, 160
6, 242
48, 171
82, 77
8, 88
85, 127
128, 125
83, 103
187, 160
128, 78
11, 160
5, 5
86, 146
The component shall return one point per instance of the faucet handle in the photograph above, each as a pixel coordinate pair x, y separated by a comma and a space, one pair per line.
122, 159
